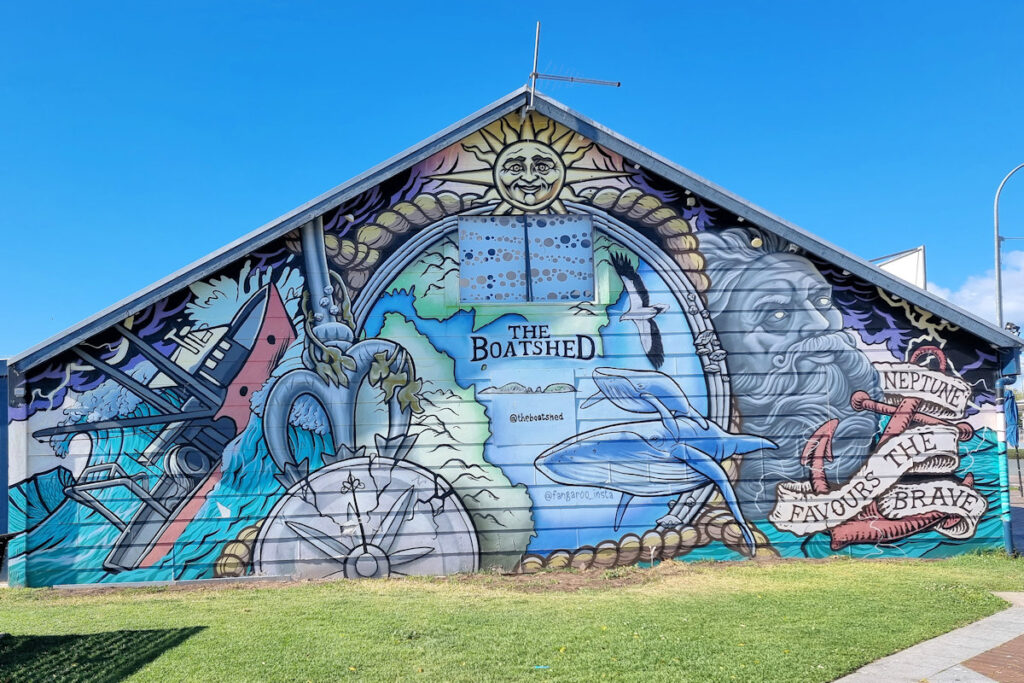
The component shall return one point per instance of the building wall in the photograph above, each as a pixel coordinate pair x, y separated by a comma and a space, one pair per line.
523, 352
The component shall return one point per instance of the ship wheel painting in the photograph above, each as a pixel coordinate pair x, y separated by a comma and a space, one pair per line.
368, 518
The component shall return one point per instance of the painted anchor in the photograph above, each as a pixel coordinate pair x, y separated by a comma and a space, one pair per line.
682, 451
408, 519
870, 525
335, 368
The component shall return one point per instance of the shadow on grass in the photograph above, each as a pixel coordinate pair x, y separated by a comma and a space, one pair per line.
109, 656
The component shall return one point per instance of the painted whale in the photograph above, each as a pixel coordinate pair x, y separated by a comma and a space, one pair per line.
678, 452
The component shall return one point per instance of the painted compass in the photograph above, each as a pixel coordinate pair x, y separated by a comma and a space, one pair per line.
367, 517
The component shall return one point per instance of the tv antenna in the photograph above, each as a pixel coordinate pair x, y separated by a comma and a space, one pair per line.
534, 76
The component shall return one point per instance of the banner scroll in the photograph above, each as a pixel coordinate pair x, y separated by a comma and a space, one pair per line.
919, 450
944, 395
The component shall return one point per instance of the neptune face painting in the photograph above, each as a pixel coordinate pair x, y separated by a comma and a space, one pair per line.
792, 364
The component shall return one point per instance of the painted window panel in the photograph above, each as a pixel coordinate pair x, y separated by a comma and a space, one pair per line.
561, 258
493, 263
497, 253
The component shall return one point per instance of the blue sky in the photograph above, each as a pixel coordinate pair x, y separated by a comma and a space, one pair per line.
138, 137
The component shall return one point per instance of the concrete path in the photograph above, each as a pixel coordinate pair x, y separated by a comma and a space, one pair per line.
988, 650
957, 655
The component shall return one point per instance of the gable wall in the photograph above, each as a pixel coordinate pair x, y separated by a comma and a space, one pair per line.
403, 431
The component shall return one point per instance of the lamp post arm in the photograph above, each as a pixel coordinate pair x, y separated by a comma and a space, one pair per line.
998, 240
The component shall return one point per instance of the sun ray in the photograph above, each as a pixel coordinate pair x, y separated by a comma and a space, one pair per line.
562, 141
558, 207
544, 134
481, 154
570, 158
480, 176
508, 132
567, 193
581, 175
526, 132
492, 140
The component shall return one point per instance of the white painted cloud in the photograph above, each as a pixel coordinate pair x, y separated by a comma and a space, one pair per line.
978, 293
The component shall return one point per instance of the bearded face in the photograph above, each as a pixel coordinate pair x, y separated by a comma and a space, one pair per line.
792, 368
529, 175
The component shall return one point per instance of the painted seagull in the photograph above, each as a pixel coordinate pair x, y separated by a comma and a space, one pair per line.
679, 452
640, 310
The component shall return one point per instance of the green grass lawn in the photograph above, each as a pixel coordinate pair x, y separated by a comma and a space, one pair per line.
743, 621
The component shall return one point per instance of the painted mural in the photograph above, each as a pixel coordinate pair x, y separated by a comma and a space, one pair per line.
523, 352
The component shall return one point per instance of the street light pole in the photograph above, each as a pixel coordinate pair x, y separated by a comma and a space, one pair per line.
999, 244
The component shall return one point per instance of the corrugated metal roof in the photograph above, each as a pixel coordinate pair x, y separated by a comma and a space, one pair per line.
559, 112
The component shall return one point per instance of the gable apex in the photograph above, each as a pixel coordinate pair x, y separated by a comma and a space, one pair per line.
517, 100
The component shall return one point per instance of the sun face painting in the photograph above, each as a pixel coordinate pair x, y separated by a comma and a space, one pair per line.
531, 169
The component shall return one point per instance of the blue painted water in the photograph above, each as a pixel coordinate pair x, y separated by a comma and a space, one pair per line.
71, 544
980, 457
